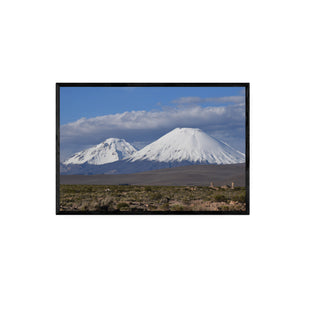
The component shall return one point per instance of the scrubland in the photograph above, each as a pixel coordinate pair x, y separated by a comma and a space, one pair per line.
150, 199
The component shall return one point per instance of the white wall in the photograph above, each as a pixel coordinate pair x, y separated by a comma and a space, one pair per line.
262, 267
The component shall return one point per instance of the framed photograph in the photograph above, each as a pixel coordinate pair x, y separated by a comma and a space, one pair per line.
152, 148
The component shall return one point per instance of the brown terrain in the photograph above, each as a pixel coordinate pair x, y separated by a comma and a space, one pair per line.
198, 175
151, 199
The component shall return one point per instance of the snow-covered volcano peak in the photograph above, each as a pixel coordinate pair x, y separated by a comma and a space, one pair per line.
113, 141
110, 150
185, 130
189, 144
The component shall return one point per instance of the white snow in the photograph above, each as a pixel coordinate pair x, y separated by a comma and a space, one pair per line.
189, 144
110, 150
181, 144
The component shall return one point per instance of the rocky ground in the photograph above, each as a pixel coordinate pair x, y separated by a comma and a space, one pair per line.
150, 199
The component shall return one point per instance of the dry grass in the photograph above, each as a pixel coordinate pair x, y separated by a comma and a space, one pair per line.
137, 199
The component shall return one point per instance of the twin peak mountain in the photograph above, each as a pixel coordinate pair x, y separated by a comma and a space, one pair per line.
181, 146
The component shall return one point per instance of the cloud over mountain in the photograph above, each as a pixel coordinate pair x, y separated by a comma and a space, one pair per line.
226, 122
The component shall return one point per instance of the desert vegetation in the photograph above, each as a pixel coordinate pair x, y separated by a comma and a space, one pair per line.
149, 199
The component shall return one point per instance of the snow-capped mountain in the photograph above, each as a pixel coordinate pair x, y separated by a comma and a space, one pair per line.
110, 150
188, 144
180, 147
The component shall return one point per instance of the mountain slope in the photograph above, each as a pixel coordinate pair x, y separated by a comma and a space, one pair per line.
191, 145
110, 150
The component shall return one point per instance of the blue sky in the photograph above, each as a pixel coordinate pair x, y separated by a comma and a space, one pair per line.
140, 115
79, 102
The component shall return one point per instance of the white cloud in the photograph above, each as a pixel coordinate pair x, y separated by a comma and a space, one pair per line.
199, 100
143, 126
143, 120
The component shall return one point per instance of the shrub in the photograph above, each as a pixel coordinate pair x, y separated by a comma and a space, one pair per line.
165, 206
177, 208
147, 188
122, 205
240, 198
187, 201
220, 198
156, 196
84, 206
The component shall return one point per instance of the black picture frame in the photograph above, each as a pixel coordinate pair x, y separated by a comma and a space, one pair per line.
247, 146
